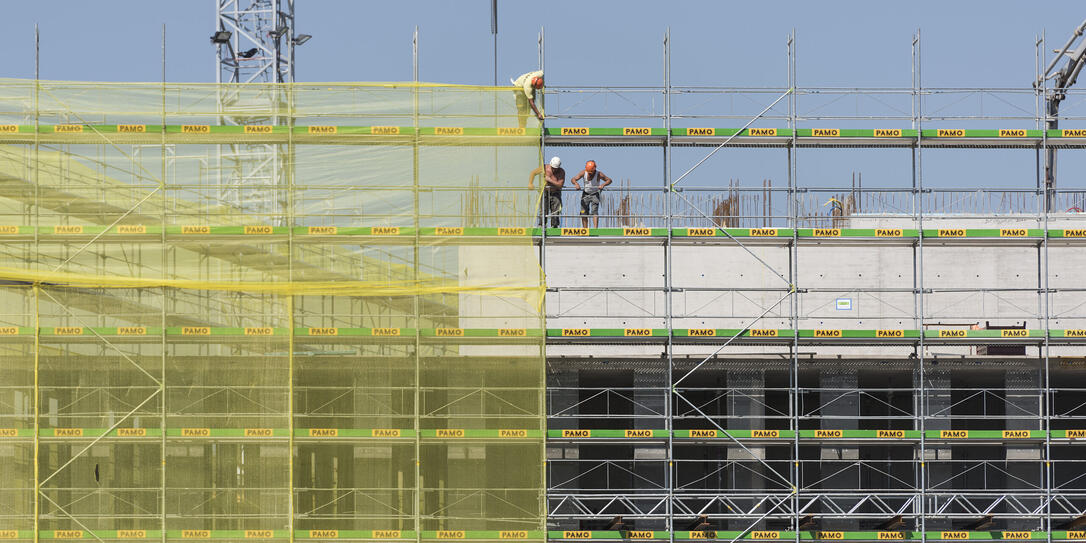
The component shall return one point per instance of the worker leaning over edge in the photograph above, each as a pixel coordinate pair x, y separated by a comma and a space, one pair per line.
526, 86
594, 181
554, 178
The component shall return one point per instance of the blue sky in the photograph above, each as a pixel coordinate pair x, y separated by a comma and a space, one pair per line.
596, 43
966, 43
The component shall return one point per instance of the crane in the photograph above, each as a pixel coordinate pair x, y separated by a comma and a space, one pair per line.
1062, 80
254, 42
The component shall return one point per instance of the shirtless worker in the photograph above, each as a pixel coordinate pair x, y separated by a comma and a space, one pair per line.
526, 86
554, 178
594, 181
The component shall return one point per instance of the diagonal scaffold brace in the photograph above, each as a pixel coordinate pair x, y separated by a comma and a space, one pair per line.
790, 292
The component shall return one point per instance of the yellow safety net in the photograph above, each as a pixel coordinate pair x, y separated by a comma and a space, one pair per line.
269, 311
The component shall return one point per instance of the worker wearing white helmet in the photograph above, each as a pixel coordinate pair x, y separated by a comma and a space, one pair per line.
554, 178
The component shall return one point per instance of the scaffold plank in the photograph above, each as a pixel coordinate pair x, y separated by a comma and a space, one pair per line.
437, 434
391, 534
711, 335
468, 135
636, 434
459, 234
816, 435
818, 535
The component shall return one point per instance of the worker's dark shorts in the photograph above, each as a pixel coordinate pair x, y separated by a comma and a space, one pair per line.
590, 203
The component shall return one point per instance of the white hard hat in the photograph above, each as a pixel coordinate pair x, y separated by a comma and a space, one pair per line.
556, 162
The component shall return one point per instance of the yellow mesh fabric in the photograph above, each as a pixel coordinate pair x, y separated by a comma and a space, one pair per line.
274, 312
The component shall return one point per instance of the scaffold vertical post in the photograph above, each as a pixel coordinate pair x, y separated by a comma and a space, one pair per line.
544, 208
37, 414
291, 221
163, 345
793, 278
918, 274
416, 309
36, 166
542, 217
1049, 402
669, 473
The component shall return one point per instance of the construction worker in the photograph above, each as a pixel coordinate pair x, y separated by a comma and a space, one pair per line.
526, 86
594, 181
554, 178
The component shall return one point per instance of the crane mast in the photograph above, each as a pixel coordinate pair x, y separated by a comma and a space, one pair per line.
1062, 79
254, 48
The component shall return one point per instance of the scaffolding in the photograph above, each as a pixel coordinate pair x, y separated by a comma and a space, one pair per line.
365, 361
807, 361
